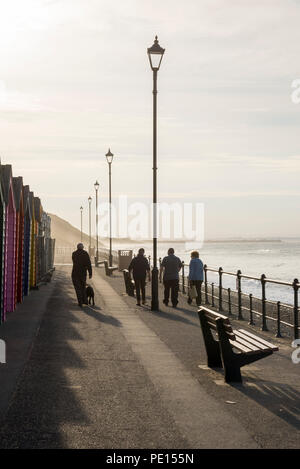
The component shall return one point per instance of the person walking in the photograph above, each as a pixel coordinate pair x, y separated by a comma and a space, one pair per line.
195, 275
139, 266
170, 267
81, 265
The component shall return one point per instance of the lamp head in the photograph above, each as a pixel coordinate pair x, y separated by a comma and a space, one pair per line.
96, 185
109, 156
155, 54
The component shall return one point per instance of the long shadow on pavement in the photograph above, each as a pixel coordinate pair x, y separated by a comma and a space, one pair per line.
94, 313
44, 400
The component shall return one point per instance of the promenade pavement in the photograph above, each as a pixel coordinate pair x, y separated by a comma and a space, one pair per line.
119, 376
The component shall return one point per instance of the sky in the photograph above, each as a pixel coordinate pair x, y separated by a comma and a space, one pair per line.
75, 80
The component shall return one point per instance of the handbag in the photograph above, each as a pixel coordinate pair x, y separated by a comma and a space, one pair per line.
193, 292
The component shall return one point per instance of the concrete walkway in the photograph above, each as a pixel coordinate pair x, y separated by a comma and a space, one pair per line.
119, 376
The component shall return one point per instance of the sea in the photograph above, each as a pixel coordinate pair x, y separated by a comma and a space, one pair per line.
278, 259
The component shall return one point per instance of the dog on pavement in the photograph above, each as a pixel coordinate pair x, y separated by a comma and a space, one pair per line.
89, 291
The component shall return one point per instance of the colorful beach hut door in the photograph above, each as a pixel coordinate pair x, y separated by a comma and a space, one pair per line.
2, 239
18, 190
27, 241
10, 248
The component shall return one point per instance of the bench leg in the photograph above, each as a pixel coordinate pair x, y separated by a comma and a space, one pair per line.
231, 361
212, 347
232, 373
232, 364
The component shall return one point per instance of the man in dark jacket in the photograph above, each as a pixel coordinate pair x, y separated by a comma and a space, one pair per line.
171, 266
81, 264
140, 266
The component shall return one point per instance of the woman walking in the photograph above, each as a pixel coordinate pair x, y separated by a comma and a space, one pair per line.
195, 275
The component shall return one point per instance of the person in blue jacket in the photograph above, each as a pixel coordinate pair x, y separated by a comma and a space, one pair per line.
196, 275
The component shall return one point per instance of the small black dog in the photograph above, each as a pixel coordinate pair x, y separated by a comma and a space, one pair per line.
89, 291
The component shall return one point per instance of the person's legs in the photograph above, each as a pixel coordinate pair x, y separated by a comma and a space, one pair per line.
174, 292
137, 289
83, 290
143, 283
78, 289
166, 291
198, 284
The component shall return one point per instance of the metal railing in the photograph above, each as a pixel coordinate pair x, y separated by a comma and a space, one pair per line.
227, 299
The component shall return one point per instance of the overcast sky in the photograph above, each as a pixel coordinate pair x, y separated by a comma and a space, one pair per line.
75, 80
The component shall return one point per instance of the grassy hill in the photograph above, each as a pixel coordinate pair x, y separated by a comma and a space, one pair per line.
66, 235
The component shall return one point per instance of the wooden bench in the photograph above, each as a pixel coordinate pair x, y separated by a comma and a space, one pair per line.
109, 270
220, 345
129, 283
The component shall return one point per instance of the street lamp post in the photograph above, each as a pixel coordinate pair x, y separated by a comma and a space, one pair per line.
90, 225
109, 158
81, 210
96, 185
155, 54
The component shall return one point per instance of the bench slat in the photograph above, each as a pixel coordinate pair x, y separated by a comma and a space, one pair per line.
212, 319
251, 341
264, 342
211, 324
214, 316
241, 347
251, 346
212, 313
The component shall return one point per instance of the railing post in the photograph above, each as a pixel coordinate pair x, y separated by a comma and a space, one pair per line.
251, 322
239, 291
229, 302
278, 320
183, 284
205, 284
263, 299
296, 309
220, 289
212, 294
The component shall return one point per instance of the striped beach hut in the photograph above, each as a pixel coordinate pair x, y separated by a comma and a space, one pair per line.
2, 242
10, 240
32, 277
39, 245
18, 191
26, 239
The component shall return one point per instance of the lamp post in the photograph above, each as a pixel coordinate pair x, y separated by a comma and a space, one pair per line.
96, 186
81, 210
155, 54
90, 225
109, 158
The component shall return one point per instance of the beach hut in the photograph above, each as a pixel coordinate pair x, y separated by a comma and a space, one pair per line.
46, 221
10, 240
39, 245
18, 191
26, 239
32, 277
2, 239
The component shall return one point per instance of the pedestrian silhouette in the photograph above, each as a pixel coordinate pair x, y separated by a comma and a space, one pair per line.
81, 265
